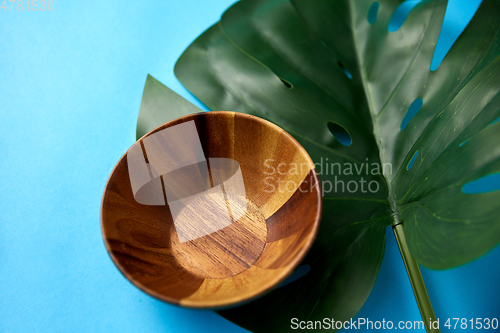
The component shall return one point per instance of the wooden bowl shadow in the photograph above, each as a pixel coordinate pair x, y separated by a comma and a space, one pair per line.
271, 226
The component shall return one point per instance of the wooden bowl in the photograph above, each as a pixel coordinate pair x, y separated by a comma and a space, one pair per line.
214, 225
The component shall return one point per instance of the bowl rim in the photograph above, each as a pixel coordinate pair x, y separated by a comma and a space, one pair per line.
276, 281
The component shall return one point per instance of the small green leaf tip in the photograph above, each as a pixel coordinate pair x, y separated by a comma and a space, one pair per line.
160, 105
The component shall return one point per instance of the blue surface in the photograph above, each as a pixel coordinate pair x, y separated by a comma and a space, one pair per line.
400, 14
70, 88
484, 184
412, 112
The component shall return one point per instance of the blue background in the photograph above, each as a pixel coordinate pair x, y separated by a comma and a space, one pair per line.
70, 90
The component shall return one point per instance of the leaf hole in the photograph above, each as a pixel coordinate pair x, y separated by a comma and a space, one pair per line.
412, 111
412, 161
484, 184
297, 274
372, 12
344, 68
456, 18
340, 133
401, 14
286, 83
463, 143
495, 121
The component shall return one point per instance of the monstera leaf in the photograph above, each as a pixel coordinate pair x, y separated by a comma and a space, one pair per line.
366, 106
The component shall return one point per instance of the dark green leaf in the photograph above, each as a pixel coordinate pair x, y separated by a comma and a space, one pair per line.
324, 69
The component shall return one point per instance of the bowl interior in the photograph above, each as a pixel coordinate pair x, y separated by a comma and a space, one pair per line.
211, 209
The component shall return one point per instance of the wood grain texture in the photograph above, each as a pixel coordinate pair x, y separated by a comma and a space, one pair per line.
249, 243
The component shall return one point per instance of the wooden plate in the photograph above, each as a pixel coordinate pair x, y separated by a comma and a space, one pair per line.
211, 209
